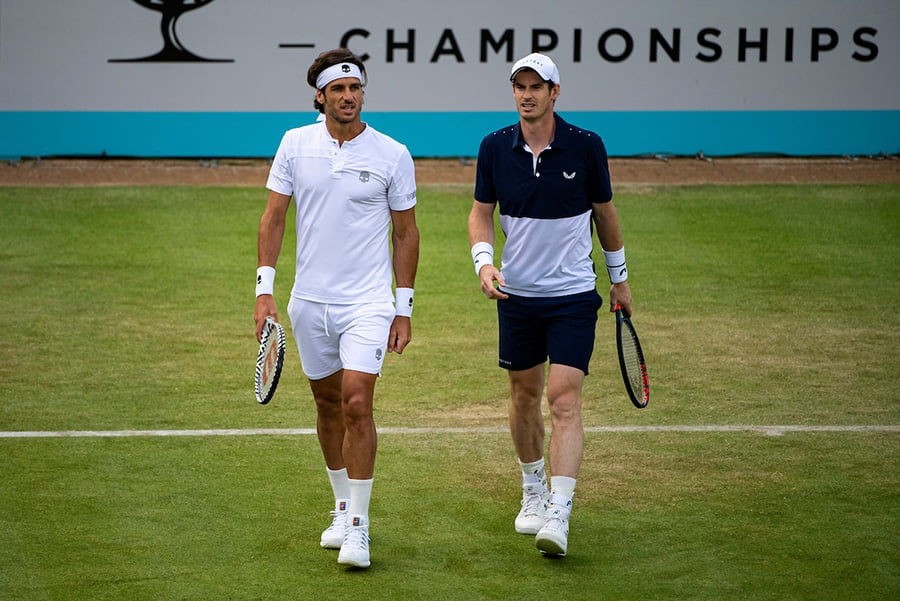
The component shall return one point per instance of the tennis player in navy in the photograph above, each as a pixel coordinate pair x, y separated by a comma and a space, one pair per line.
355, 193
550, 181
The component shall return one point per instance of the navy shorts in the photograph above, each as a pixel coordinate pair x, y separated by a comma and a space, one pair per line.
561, 328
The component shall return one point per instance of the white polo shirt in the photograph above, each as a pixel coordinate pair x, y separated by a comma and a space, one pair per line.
344, 196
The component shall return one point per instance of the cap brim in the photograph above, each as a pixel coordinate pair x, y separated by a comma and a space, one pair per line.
520, 69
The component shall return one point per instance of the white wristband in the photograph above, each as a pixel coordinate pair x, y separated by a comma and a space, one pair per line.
265, 280
404, 305
482, 254
615, 265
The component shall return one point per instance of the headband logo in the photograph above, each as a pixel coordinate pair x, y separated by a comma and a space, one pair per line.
338, 71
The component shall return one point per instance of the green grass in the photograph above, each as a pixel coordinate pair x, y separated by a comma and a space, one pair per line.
761, 305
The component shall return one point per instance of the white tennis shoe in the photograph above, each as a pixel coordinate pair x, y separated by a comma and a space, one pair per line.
355, 548
333, 536
534, 505
553, 537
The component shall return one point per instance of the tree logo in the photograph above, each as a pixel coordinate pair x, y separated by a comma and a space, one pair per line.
173, 50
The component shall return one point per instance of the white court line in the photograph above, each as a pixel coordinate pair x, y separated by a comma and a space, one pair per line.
768, 430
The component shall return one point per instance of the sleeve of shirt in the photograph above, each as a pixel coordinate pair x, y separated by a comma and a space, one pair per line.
281, 180
402, 193
484, 175
599, 185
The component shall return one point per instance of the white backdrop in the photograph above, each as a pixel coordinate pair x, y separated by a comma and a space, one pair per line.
672, 76
54, 55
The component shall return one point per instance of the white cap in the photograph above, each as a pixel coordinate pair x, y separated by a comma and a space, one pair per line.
540, 64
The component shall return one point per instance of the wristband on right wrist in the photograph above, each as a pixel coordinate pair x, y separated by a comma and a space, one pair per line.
482, 254
265, 280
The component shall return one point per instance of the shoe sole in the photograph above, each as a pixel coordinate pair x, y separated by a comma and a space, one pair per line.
548, 546
354, 564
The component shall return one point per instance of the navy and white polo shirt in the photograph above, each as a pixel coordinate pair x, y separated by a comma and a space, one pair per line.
545, 207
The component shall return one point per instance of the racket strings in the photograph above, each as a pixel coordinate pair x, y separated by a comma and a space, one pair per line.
269, 362
633, 364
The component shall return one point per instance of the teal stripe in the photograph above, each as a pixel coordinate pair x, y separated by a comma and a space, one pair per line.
448, 134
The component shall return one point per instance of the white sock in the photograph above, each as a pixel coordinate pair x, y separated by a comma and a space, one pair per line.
533, 472
360, 496
340, 486
563, 485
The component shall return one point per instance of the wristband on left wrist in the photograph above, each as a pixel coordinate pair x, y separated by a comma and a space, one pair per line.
404, 304
615, 265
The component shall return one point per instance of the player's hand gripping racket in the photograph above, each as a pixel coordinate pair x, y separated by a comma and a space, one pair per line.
631, 360
269, 361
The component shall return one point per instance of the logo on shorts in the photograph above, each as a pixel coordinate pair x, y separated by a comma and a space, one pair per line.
378, 354
364, 176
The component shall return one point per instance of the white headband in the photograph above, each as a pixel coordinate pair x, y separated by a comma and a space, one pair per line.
337, 72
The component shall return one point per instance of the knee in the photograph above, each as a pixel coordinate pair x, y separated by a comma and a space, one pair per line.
526, 403
357, 408
526, 397
565, 408
328, 406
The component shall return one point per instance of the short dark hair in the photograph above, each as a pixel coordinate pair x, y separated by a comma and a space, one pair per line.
327, 59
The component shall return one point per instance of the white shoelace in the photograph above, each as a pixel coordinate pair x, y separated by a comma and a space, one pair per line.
357, 537
532, 503
556, 518
338, 521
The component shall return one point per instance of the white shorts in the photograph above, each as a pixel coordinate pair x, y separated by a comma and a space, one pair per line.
335, 337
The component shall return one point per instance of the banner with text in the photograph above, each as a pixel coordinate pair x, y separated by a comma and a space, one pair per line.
225, 77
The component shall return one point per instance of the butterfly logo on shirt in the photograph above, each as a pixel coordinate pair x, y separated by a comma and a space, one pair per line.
569, 175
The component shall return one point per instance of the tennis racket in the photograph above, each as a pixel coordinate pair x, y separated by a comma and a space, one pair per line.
631, 360
269, 361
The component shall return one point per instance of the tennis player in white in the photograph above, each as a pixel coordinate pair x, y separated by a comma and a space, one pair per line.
355, 194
